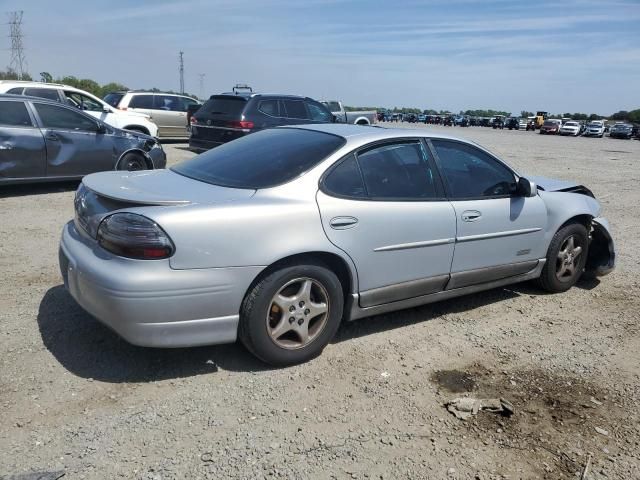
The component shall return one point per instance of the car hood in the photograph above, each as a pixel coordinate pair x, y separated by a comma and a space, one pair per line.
160, 187
552, 184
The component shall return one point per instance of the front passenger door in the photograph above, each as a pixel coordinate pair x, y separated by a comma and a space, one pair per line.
74, 146
499, 232
22, 149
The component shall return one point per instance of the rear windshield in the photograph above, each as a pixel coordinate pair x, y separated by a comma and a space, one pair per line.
261, 160
224, 105
113, 99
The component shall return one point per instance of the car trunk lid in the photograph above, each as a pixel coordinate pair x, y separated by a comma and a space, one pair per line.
105, 192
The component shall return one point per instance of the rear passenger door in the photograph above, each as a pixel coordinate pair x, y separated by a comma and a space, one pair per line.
22, 148
385, 207
141, 103
170, 114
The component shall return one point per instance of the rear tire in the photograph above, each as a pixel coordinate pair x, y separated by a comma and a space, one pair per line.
290, 315
566, 259
132, 162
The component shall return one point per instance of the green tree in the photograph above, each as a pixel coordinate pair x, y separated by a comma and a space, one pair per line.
46, 77
10, 74
525, 114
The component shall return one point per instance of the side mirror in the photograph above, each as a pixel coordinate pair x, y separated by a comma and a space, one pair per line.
106, 109
101, 128
527, 188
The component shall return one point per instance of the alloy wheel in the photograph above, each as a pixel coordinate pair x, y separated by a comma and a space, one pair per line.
298, 313
568, 260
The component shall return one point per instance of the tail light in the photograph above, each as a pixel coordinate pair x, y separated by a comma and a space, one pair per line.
193, 120
134, 236
240, 124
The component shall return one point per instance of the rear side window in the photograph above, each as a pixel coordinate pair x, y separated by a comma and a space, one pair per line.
16, 91
113, 99
269, 107
48, 93
345, 180
398, 171
62, 118
295, 109
168, 103
14, 114
263, 159
141, 101
224, 105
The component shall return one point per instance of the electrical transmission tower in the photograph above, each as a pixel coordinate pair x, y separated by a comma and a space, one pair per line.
181, 72
18, 63
201, 92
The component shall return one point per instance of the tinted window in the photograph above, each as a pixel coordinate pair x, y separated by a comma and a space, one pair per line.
295, 109
345, 180
471, 173
63, 118
113, 99
261, 160
168, 103
16, 90
83, 102
399, 170
14, 114
187, 102
269, 107
141, 101
49, 93
318, 113
224, 105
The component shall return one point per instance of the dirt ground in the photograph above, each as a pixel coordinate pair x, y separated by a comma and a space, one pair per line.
74, 398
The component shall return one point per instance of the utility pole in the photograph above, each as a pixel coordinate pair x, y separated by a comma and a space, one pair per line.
201, 92
181, 72
18, 63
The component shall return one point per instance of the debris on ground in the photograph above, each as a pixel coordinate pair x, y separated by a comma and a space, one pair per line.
465, 407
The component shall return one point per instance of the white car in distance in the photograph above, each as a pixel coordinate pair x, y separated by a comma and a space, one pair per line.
570, 128
595, 128
86, 102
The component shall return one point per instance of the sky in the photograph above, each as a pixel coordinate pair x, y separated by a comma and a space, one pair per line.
512, 55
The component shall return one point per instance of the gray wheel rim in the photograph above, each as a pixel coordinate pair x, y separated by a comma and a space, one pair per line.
298, 313
568, 259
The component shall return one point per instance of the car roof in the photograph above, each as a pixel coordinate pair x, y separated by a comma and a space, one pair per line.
372, 133
249, 95
11, 96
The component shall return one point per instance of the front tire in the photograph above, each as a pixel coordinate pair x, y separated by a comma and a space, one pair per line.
566, 259
132, 162
290, 315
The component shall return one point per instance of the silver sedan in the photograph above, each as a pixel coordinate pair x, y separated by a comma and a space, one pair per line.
277, 237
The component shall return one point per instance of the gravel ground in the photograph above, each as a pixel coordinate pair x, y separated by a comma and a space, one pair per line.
75, 398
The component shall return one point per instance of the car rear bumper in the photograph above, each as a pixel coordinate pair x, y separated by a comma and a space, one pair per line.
199, 145
147, 302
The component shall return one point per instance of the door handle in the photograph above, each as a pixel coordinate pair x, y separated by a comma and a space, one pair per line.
52, 136
342, 223
471, 215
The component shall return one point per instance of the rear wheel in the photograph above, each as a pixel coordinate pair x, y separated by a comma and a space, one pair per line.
566, 259
290, 315
132, 162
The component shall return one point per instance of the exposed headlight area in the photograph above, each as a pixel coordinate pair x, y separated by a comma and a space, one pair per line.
134, 236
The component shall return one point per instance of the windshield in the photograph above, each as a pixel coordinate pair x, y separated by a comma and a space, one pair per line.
550, 123
113, 99
263, 159
571, 124
332, 106
595, 125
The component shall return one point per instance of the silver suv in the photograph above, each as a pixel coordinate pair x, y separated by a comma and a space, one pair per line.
167, 110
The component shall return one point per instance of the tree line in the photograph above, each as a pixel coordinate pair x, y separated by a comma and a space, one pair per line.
100, 91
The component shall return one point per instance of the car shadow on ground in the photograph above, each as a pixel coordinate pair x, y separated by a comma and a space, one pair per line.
88, 349
23, 190
403, 318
